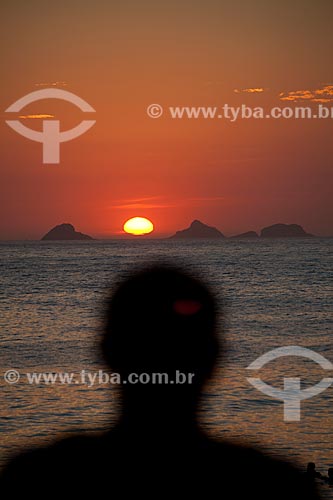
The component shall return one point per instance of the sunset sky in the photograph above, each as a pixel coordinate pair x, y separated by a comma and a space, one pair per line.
122, 56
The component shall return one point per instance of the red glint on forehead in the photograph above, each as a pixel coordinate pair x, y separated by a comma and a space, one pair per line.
186, 307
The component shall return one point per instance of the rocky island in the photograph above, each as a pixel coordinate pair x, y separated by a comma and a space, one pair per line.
284, 231
65, 232
198, 230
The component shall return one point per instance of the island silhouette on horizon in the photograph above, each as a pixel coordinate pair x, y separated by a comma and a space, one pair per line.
64, 231
196, 230
199, 230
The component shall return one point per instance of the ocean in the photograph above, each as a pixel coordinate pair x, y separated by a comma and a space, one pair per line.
273, 293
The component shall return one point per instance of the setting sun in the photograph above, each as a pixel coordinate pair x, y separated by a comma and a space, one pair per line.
138, 226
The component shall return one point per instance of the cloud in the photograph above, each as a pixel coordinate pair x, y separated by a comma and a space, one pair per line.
147, 202
156, 202
254, 90
144, 198
139, 206
24, 117
323, 94
322, 100
138, 203
51, 84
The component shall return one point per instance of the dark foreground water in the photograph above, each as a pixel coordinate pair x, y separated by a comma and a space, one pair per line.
276, 293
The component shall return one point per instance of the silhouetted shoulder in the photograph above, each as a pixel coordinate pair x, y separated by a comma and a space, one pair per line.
62, 466
247, 472
142, 468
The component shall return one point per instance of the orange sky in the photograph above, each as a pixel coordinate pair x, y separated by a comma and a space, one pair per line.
120, 58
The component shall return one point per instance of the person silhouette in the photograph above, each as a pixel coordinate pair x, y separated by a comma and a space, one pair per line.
329, 478
311, 472
160, 337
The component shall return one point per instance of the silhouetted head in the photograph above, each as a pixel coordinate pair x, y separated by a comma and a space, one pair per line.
311, 467
161, 320
330, 472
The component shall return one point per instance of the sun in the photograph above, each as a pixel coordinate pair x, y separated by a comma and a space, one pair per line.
138, 226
